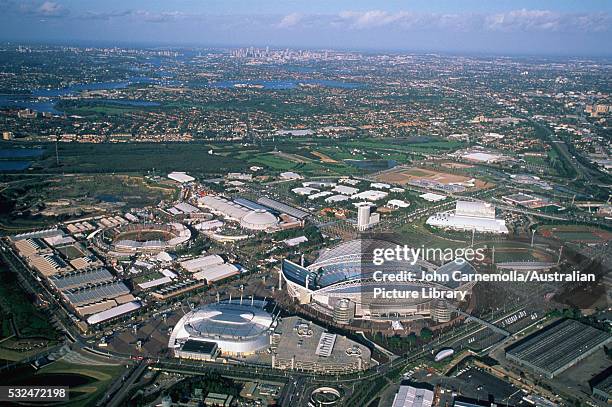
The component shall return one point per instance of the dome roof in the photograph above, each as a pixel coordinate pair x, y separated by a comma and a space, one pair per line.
258, 219
236, 328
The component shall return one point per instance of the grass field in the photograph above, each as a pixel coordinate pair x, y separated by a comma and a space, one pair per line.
70, 252
141, 157
575, 233
29, 321
89, 382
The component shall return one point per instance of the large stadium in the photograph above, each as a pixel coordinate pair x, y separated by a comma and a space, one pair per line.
340, 283
145, 237
236, 329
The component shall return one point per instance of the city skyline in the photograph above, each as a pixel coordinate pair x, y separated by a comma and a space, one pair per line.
528, 28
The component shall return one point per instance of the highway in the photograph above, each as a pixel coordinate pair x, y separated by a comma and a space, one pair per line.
296, 382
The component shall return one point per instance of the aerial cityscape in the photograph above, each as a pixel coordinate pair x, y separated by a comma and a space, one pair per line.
294, 204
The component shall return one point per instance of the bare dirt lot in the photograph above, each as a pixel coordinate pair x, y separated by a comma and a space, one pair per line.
406, 175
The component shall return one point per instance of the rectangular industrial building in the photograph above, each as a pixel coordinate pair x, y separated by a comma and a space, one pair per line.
410, 396
99, 292
81, 278
557, 347
282, 207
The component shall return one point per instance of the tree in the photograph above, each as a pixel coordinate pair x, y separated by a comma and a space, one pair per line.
426, 334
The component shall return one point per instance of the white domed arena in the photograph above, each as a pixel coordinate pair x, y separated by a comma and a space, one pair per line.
258, 219
237, 329
345, 272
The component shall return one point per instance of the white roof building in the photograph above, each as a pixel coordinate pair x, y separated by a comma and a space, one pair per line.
349, 181
336, 198
290, 175
202, 262
222, 206
482, 157
448, 220
344, 190
470, 216
320, 195
295, 241
370, 195
397, 203
154, 283
304, 190
259, 219
379, 185
217, 272
181, 177
476, 209
209, 225
114, 312
431, 197
408, 396
164, 257
186, 208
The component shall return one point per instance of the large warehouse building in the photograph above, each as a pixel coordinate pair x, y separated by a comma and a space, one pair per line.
236, 329
256, 219
558, 347
470, 216
340, 282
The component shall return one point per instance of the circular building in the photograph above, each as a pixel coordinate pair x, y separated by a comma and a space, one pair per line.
342, 281
236, 329
258, 219
149, 237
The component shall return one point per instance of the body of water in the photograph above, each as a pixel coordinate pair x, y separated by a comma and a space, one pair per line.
21, 152
14, 165
372, 165
45, 100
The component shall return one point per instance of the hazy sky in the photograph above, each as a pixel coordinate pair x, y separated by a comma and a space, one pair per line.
568, 27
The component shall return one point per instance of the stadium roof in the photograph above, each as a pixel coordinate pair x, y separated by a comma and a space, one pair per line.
202, 262
449, 268
199, 346
96, 293
81, 278
221, 205
282, 207
217, 272
258, 219
235, 327
114, 312
557, 347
